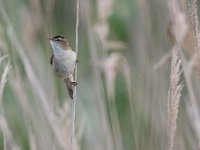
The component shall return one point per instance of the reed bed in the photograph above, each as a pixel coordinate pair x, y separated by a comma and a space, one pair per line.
138, 76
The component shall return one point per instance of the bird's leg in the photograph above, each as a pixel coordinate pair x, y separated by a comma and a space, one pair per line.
74, 83
71, 79
77, 61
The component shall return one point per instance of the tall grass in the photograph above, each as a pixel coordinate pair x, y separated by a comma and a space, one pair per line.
130, 92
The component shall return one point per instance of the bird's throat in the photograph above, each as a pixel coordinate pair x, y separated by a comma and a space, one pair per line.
59, 50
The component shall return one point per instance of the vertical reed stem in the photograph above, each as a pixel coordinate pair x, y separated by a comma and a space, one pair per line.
75, 77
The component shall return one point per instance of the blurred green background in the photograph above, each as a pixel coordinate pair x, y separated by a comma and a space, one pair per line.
121, 92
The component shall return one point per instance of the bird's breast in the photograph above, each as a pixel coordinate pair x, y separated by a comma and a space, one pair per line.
64, 63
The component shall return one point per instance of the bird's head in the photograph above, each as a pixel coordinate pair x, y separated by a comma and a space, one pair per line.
58, 42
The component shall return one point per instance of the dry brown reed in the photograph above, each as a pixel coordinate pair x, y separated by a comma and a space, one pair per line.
178, 30
4, 77
9, 143
96, 79
111, 66
195, 23
190, 65
50, 124
48, 113
174, 95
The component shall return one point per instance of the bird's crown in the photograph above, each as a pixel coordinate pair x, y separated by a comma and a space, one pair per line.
61, 40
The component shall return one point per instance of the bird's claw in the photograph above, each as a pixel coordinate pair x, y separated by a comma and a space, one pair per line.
74, 83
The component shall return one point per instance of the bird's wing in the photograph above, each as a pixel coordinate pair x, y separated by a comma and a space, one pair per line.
51, 59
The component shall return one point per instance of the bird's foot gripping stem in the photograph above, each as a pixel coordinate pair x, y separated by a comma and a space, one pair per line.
74, 83
77, 61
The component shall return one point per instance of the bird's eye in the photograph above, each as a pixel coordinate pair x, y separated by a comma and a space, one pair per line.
59, 36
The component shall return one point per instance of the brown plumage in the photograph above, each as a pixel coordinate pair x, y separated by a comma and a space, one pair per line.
70, 87
63, 61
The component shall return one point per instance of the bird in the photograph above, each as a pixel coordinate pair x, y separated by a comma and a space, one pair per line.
63, 61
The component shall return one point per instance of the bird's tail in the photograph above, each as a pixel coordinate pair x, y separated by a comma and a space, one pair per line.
70, 86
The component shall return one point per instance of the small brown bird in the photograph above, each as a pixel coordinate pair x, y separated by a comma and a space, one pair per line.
63, 61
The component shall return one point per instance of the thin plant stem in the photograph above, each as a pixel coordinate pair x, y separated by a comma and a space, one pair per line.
75, 77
